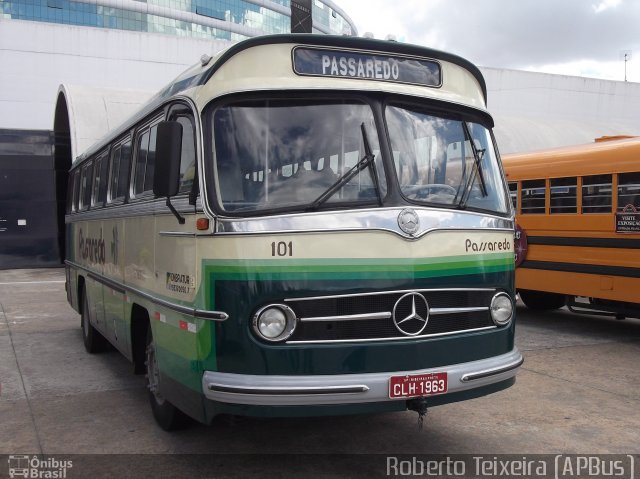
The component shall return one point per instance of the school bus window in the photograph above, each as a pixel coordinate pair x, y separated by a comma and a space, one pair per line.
596, 194
188, 158
563, 195
513, 193
85, 186
99, 181
628, 190
533, 197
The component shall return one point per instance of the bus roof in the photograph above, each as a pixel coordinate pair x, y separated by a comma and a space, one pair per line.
598, 158
239, 79
355, 43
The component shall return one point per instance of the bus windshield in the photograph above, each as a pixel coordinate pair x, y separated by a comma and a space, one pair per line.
272, 154
436, 163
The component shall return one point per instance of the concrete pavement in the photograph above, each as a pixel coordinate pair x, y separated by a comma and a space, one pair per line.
576, 393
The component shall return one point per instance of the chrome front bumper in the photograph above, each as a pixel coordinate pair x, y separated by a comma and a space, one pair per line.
267, 390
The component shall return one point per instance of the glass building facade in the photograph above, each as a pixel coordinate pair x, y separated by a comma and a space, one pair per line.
219, 19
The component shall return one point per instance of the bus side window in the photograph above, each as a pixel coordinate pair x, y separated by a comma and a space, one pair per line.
72, 193
145, 160
628, 190
188, 154
96, 180
151, 159
119, 172
533, 197
142, 148
99, 181
114, 173
123, 173
85, 186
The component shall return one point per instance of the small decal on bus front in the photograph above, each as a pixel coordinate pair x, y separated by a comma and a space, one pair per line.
180, 283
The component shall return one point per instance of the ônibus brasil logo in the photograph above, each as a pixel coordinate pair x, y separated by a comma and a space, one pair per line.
34, 467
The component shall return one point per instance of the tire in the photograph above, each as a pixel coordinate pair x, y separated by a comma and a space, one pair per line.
94, 342
541, 301
168, 417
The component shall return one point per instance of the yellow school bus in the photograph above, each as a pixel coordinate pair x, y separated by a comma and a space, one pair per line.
578, 213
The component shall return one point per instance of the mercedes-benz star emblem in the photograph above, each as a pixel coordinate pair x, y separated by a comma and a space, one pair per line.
408, 221
411, 314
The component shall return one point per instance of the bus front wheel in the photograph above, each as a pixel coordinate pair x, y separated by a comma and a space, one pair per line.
542, 301
166, 414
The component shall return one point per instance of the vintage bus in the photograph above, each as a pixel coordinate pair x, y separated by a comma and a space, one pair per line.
301, 225
579, 213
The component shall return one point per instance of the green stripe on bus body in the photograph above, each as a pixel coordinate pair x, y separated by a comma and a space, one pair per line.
350, 269
278, 262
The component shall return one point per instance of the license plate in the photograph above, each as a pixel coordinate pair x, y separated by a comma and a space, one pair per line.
417, 385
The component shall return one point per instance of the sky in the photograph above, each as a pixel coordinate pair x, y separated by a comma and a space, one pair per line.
586, 38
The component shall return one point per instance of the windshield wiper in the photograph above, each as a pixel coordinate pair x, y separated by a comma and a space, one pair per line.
367, 160
478, 155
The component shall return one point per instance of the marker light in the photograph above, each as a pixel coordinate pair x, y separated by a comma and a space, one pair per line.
501, 309
202, 224
275, 322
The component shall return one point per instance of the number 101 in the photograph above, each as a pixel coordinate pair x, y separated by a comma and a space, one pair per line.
281, 248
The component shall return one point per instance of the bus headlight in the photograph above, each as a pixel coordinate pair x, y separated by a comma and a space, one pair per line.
275, 322
501, 309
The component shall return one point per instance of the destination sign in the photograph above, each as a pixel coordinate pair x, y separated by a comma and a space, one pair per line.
366, 66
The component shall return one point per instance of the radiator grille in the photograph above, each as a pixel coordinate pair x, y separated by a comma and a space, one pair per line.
344, 318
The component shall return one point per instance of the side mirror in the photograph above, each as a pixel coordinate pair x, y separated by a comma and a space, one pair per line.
166, 180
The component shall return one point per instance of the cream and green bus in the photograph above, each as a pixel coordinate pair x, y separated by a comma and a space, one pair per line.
301, 225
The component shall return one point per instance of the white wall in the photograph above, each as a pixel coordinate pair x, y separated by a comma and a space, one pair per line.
538, 110
36, 57
531, 110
